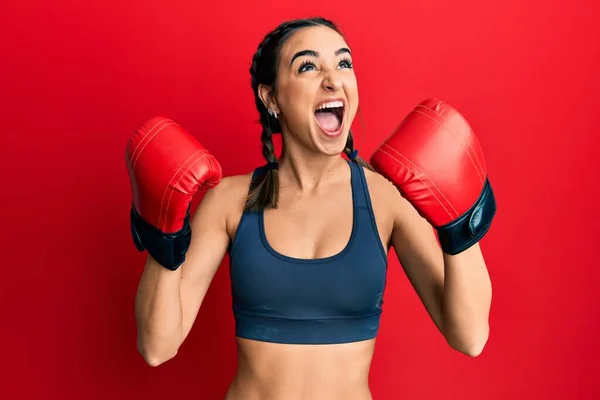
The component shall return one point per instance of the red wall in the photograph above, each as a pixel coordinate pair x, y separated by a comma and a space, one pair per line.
77, 78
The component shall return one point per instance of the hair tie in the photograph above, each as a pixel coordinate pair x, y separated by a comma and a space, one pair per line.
271, 165
353, 154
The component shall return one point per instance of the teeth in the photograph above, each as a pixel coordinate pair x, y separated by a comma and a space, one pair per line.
331, 104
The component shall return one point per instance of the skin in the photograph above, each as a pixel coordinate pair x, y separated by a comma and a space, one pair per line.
315, 182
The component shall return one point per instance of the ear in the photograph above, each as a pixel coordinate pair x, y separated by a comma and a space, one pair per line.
266, 95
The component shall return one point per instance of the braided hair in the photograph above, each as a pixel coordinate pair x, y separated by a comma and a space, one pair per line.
264, 191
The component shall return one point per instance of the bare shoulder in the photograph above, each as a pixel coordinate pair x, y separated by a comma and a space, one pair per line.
383, 193
386, 198
230, 188
387, 203
228, 195
227, 199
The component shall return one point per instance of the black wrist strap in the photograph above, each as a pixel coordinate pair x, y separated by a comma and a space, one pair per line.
168, 249
467, 230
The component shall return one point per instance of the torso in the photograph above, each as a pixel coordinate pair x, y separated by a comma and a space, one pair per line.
308, 226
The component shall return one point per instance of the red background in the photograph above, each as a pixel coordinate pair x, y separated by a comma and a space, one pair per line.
78, 77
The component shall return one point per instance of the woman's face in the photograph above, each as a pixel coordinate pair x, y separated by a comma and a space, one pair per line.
317, 93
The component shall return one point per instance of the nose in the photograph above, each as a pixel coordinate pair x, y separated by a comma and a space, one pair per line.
331, 81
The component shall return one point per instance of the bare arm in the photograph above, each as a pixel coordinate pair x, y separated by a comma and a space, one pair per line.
168, 302
455, 290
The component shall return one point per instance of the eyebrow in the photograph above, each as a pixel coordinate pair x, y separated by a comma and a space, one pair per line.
316, 54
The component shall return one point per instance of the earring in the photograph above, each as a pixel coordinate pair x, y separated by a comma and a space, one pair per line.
273, 113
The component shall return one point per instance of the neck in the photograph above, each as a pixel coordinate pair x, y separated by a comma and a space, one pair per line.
309, 171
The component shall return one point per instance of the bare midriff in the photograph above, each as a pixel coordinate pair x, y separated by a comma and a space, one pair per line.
272, 371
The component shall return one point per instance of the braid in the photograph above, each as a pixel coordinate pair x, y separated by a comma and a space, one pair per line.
268, 150
264, 192
349, 148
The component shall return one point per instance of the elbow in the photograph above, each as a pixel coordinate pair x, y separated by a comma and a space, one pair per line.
154, 360
473, 349
155, 357
472, 344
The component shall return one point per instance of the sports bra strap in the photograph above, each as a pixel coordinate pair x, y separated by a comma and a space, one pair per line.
359, 184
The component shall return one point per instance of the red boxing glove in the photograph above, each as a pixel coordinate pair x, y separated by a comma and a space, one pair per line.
166, 166
436, 162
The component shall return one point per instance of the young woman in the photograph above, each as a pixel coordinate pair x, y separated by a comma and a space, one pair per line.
308, 235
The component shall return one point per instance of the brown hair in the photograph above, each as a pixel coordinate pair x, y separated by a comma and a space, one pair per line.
264, 190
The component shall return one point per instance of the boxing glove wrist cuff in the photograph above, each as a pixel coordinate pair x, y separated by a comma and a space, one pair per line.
168, 249
467, 230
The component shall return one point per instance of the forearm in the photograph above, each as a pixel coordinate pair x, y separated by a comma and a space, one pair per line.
467, 300
158, 313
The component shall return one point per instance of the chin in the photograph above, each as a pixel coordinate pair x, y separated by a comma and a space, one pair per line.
330, 145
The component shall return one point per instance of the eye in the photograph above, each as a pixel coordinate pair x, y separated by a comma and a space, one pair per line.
306, 66
346, 63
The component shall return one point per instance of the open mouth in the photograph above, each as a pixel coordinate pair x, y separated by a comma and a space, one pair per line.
330, 115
